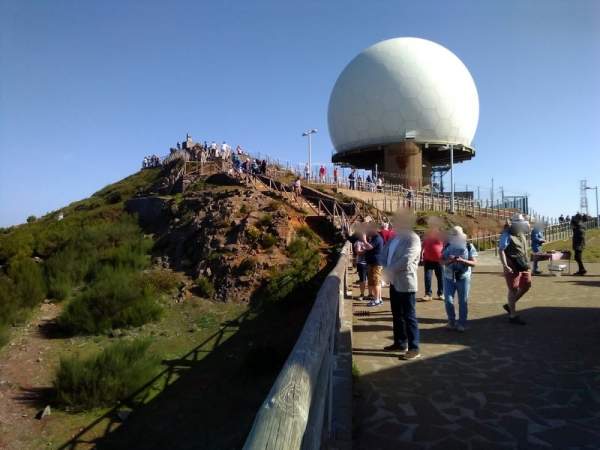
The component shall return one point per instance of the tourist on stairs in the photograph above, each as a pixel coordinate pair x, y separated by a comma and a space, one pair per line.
458, 256
513, 255
401, 256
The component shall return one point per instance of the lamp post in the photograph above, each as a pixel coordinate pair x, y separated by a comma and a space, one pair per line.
309, 133
595, 188
451, 148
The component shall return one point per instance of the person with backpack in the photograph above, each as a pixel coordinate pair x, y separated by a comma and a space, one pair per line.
458, 257
373, 256
513, 256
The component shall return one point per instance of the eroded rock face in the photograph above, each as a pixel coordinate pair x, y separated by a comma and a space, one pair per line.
232, 235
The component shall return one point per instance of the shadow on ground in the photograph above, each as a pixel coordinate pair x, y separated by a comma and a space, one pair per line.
496, 386
206, 399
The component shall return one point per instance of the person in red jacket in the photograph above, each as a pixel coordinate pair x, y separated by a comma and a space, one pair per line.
433, 244
386, 233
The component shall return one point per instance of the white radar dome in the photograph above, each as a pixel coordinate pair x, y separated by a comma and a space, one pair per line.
399, 88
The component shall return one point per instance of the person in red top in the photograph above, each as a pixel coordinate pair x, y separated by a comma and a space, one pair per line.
386, 233
433, 244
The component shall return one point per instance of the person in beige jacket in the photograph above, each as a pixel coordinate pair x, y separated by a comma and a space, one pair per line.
401, 258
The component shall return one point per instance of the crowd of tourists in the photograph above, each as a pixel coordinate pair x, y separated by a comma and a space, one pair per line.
150, 161
392, 253
370, 183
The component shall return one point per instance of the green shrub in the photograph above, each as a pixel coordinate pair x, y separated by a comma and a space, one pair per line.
18, 242
164, 281
105, 378
304, 265
31, 219
8, 304
305, 232
116, 299
59, 287
205, 287
253, 233
268, 240
247, 266
266, 220
30, 286
274, 205
4, 334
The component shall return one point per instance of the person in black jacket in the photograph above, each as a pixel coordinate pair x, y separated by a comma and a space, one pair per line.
578, 244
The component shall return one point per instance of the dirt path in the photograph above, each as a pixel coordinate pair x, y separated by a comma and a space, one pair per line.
23, 368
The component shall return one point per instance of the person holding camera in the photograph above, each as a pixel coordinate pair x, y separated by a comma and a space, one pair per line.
458, 256
513, 255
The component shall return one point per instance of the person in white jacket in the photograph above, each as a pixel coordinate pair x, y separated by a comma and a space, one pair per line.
401, 258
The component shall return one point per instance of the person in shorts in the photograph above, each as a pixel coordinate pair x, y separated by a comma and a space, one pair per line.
373, 256
513, 256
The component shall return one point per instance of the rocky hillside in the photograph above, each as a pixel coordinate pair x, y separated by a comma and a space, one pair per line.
221, 231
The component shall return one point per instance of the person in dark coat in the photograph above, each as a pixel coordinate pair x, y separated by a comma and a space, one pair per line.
579, 244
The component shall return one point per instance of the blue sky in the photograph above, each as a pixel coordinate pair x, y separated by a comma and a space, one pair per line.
88, 88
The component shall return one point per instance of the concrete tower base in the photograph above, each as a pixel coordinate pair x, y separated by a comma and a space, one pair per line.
405, 161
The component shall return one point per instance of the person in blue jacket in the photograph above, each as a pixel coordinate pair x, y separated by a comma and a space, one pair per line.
537, 239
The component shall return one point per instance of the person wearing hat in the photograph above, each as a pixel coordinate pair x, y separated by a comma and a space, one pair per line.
458, 256
513, 256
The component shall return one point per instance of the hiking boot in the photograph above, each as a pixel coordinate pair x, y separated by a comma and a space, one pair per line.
516, 320
580, 273
396, 347
410, 355
537, 272
506, 308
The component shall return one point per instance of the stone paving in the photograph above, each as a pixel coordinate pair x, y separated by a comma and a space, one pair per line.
497, 385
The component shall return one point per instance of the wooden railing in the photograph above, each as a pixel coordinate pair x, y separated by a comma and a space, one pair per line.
299, 410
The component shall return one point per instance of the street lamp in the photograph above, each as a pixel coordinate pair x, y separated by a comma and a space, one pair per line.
451, 147
309, 133
595, 188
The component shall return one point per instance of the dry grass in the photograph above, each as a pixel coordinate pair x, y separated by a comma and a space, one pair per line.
592, 248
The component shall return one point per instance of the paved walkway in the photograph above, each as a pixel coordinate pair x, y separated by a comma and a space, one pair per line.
495, 386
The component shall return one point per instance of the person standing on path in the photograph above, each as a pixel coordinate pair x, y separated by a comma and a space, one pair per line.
579, 244
401, 256
359, 248
431, 256
458, 256
374, 258
537, 239
513, 255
